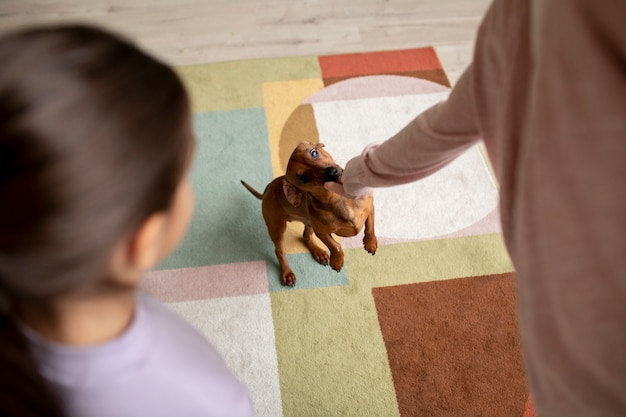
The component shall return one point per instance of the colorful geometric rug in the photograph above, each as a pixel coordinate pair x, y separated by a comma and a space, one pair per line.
426, 327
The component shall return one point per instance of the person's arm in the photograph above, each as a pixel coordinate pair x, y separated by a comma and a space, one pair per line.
428, 143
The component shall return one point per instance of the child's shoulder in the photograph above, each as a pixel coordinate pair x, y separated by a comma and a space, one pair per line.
160, 364
181, 359
173, 338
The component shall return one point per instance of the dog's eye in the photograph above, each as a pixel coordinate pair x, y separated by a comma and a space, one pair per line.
303, 179
315, 153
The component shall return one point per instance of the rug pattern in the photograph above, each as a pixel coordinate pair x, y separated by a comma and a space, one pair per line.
363, 341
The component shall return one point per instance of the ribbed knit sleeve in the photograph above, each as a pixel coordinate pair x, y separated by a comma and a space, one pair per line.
430, 141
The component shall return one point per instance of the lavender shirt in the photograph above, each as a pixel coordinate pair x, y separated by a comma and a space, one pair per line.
161, 366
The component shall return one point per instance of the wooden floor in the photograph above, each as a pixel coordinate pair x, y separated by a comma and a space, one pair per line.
196, 31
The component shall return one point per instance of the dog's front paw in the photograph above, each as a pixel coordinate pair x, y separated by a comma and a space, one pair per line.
336, 261
370, 244
288, 278
321, 256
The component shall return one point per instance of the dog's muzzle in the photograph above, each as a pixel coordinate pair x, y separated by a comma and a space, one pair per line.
332, 174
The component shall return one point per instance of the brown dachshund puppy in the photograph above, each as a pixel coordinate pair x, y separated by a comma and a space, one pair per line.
299, 195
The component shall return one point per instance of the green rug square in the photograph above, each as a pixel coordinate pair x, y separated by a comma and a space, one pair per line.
227, 225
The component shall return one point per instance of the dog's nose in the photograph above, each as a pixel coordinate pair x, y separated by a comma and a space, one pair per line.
331, 174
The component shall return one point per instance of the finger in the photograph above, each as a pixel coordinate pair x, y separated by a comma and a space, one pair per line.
336, 188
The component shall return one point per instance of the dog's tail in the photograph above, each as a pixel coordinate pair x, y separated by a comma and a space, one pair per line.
253, 191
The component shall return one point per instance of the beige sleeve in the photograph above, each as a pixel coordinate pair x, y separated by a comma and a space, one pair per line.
429, 142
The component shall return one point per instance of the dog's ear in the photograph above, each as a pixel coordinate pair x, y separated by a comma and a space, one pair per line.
293, 194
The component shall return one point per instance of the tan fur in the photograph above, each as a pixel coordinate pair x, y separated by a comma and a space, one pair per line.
299, 195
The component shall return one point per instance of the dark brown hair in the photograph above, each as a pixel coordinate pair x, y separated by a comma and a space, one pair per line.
94, 137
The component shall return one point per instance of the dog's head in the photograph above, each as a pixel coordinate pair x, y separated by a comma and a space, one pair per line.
309, 167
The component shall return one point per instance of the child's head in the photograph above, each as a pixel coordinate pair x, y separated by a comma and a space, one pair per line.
95, 137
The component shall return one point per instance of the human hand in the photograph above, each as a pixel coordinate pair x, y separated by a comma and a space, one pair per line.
337, 187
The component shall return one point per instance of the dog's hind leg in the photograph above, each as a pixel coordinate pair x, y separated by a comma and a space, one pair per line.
276, 229
319, 254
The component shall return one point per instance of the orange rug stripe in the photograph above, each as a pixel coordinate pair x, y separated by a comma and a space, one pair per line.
389, 62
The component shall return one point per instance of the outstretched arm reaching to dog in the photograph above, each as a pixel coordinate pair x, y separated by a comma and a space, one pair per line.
428, 143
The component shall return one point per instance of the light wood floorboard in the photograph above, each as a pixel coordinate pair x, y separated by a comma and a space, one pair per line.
184, 32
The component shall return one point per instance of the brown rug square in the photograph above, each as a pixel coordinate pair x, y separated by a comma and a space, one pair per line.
453, 346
